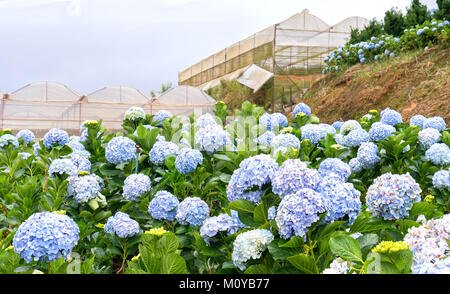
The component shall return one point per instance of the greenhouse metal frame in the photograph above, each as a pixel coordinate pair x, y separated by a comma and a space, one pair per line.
293, 47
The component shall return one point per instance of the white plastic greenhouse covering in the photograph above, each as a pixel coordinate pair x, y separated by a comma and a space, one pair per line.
184, 100
302, 41
43, 105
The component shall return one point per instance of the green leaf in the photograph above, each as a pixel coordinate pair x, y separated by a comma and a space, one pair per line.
367, 241
173, 264
424, 208
346, 247
170, 161
402, 260
247, 219
260, 214
278, 253
304, 263
85, 213
221, 157
258, 269
242, 206
102, 215
294, 242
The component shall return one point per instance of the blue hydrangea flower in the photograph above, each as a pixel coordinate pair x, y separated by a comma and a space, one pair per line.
273, 121
212, 138
417, 120
122, 225
392, 196
292, 176
75, 145
192, 211
7, 139
236, 225
391, 117
135, 186
161, 149
337, 125
160, 116
436, 122
205, 120
380, 131
250, 245
349, 126
83, 188
187, 160
367, 155
135, 113
26, 135
265, 139
215, 224
24, 155
316, 132
334, 168
340, 139
297, 212
46, 236
163, 206
344, 199
80, 162
441, 180
62, 166
427, 137
36, 147
438, 154
355, 165
283, 141
120, 150
301, 107
55, 137
356, 137
271, 213
440, 266
253, 172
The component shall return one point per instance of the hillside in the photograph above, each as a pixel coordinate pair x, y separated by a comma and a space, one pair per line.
413, 83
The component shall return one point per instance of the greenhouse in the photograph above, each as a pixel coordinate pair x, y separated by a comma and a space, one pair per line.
290, 49
42, 105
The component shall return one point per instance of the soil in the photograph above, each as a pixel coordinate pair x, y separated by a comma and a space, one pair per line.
415, 83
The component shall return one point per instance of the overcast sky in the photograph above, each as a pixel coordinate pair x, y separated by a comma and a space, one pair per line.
89, 44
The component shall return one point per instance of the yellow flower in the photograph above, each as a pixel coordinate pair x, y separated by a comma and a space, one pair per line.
389, 246
136, 257
60, 212
90, 123
7, 130
157, 232
9, 248
429, 198
288, 130
306, 141
83, 173
373, 112
336, 146
100, 226
301, 114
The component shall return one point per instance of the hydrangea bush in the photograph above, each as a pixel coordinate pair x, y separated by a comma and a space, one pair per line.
183, 188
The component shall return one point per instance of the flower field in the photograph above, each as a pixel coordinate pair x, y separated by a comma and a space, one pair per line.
220, 194
387, 46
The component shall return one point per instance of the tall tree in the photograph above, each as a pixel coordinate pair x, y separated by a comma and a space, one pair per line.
373, 29
417, 14
394, 22
444, 9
